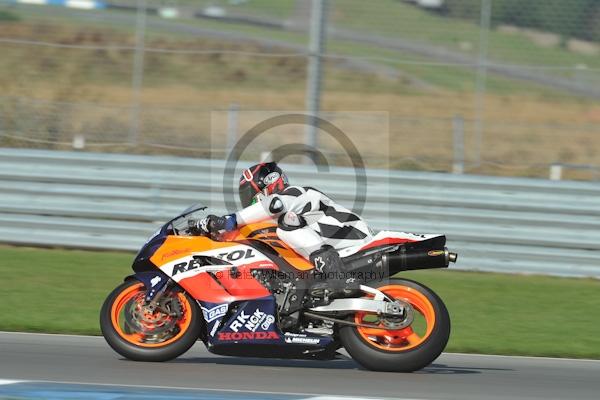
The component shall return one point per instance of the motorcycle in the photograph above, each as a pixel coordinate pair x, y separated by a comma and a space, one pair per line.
245, 293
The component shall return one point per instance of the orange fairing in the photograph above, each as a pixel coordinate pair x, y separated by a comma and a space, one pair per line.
219, 286
266, 232
176, 247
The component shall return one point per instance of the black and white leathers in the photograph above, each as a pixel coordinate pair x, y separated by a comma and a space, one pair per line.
307, 219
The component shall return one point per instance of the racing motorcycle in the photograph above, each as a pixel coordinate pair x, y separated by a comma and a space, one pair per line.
245, 293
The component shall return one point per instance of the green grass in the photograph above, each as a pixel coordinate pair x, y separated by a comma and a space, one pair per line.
57, 291
8, 16
393, 18
63, 290
517, 314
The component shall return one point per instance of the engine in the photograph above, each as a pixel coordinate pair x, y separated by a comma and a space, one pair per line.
279, 285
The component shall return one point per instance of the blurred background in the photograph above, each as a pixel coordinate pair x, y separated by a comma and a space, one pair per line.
479, 119
475, 118
502, 87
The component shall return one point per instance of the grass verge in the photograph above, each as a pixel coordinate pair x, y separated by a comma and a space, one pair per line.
62, 291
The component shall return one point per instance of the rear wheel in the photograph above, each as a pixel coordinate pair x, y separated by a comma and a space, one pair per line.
141, 333
396, 347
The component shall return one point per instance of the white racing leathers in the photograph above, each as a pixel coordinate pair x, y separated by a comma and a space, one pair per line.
307, 220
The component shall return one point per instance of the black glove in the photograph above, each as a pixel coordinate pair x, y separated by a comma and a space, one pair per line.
215, 224
198, 226
212, 224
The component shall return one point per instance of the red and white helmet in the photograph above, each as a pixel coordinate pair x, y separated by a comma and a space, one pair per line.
261, 179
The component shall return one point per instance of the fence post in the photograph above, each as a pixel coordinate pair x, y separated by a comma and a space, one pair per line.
78, 142
138, 71
481, 80
316, 48
556, 171
232, 126
458, 125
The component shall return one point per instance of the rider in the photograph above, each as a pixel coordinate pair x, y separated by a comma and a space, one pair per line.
307, 220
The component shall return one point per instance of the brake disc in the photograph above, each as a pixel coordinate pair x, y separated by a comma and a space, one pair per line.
152, 322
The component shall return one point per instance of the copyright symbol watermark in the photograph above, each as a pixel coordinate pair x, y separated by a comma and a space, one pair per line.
328, 130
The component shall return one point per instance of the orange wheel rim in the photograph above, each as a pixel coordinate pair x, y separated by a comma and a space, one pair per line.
133, 294
399, 339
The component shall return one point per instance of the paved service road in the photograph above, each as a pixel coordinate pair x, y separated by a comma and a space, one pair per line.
89, 360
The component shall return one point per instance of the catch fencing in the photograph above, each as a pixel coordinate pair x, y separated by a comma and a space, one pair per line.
115, 75
116, 201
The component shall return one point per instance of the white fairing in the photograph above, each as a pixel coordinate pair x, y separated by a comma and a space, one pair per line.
388, 235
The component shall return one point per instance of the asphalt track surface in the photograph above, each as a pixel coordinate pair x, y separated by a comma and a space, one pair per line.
49, 362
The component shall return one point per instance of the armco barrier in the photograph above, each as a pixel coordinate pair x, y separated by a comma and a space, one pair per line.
115, 201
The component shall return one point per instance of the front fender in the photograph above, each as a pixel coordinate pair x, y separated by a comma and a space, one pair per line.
153, 281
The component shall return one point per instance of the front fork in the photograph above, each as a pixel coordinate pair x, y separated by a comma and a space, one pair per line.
156, 283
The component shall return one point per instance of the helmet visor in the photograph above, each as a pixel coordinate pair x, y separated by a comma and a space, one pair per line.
247, 194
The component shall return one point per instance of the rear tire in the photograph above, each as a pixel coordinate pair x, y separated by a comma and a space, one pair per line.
399, 355
130, 343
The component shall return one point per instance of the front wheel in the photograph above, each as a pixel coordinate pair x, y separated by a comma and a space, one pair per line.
405, 349
141, 333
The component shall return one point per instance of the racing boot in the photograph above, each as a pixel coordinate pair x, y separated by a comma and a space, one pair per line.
333, 283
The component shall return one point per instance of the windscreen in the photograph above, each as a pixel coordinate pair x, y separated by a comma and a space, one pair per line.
180, 224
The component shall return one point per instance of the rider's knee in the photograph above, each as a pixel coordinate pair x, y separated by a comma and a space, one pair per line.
290, 221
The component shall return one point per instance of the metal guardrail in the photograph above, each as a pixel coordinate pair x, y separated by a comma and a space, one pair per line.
114, 201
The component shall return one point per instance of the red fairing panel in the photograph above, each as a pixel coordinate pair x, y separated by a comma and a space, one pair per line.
215, 283
386, 241
204, 287
243, 286
227, 288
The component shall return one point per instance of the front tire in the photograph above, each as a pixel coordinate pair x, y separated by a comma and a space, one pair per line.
140, 335
403, 350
